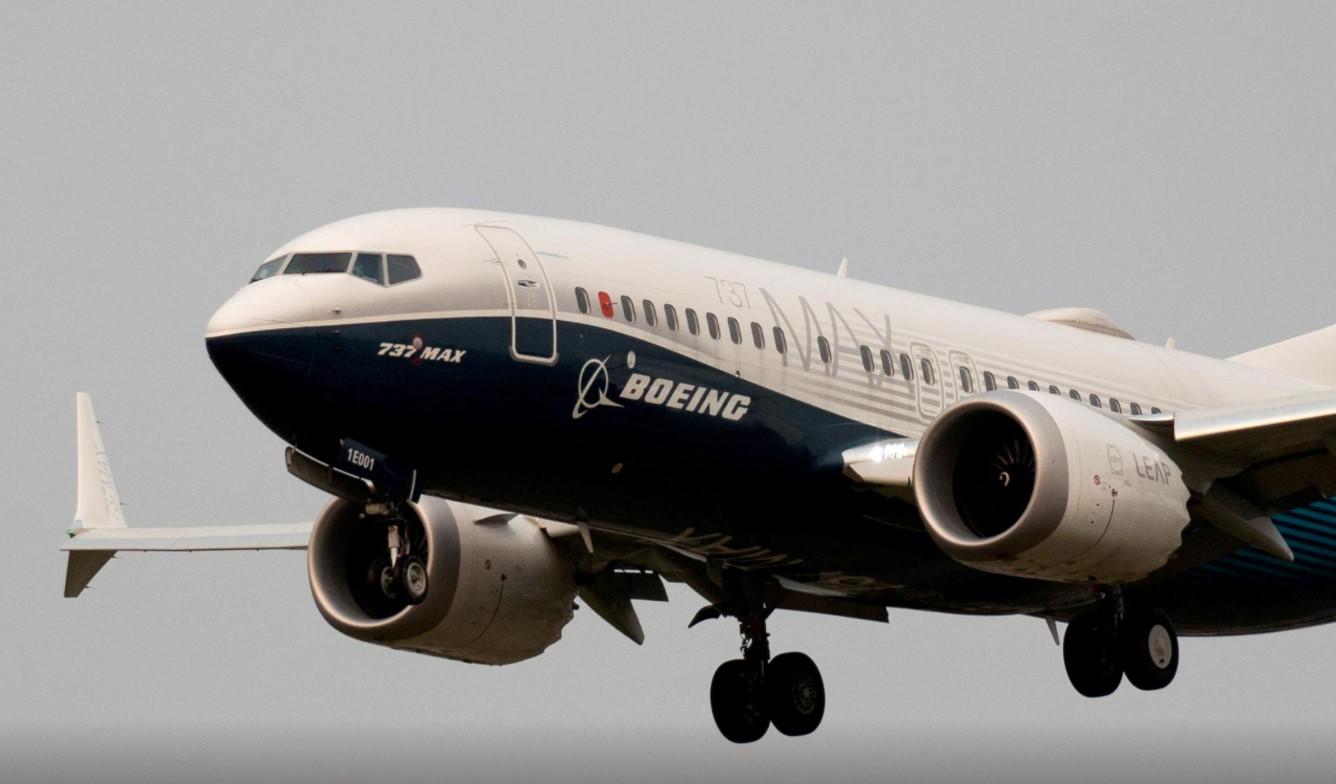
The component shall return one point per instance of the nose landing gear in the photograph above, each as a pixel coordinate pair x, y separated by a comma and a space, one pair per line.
401, 574
750, 694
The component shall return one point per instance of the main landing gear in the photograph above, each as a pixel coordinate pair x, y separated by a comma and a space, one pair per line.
750, 694
1103, 645
401, 574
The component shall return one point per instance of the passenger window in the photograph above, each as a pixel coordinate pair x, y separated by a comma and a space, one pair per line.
867, 357
693, 323
651, 317
313, 263
605, 304
1094, 400
1012, 383
1155, 410
906, 367
887, 363
712, 321
1115, 406
1053, 389
402, 268
628, 309
928, 376
268, 269
758, 335
734, 330
989, 381
781, 344
670, 317
1033, 386
582, 300
823, 346
1074, 394
1136, 409
966, 381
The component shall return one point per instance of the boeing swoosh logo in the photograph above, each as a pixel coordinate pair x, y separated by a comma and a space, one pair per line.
592, 388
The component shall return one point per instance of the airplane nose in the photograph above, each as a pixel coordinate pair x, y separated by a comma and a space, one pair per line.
258, 345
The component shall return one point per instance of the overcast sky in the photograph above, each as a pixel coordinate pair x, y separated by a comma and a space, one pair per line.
1174, 165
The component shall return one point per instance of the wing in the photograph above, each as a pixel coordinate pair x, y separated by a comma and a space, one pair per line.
99, 529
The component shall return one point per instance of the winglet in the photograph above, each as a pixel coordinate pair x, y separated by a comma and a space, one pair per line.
98, 505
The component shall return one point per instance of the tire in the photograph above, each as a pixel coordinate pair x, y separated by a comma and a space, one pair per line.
411, 579
735, 701
1090, 653
795, 694
1149, 650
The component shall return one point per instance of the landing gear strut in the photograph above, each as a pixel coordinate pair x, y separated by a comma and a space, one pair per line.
1103, 645
747, 695
401, 574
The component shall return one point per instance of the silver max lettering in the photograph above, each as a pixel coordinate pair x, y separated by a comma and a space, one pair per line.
685, 397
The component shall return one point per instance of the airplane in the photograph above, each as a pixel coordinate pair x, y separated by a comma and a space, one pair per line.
513, 413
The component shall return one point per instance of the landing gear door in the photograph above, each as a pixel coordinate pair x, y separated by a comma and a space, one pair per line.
533, 308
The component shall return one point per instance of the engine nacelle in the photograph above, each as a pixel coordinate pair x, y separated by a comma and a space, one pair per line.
499, 591
1036, 485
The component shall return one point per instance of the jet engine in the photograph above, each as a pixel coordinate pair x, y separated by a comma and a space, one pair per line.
1039, 486
500, 590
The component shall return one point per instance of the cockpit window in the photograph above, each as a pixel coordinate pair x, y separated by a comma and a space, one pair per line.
268, 269
311, 263
402, 268
368, 266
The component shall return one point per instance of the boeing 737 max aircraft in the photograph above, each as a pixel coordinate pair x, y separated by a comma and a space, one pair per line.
511, 412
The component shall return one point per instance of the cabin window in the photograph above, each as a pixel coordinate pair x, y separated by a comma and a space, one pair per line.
966, 381
906, 367
693, 322
605, 304
582, 300
866, 353
712, 321
318, 263
1115, 406
670, 317
781, 344
368, 267
651, 316
823, 346
1073, 394
887, 363
758, 335
1012, 383
402, 268
1155, 410
1136, 409
268, 269
628, 309
1094, 400
734, 330
1053, 389
1033, 386
989, 381
928, 376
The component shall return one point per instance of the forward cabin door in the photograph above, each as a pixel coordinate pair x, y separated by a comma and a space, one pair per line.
533, 308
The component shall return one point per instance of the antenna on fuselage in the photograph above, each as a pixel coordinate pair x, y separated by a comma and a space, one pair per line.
843, 271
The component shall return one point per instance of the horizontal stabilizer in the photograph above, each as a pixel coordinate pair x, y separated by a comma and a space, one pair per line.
1311, 357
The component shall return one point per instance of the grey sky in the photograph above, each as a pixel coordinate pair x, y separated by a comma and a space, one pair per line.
1173, 165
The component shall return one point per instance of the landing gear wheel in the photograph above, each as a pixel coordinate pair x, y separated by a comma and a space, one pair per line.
1149, 650
380, 576
1090, 652
736, 699
795, 694
411, 579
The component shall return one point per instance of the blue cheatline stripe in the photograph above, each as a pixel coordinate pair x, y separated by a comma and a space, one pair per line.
1235, 573
1299, 542
1261, 558
1238, 560
1328, 505
1325, 521
1215, 570
1317, 530
1318, 513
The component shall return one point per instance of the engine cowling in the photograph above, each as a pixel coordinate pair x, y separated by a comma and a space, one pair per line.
499, 590
1035, 485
